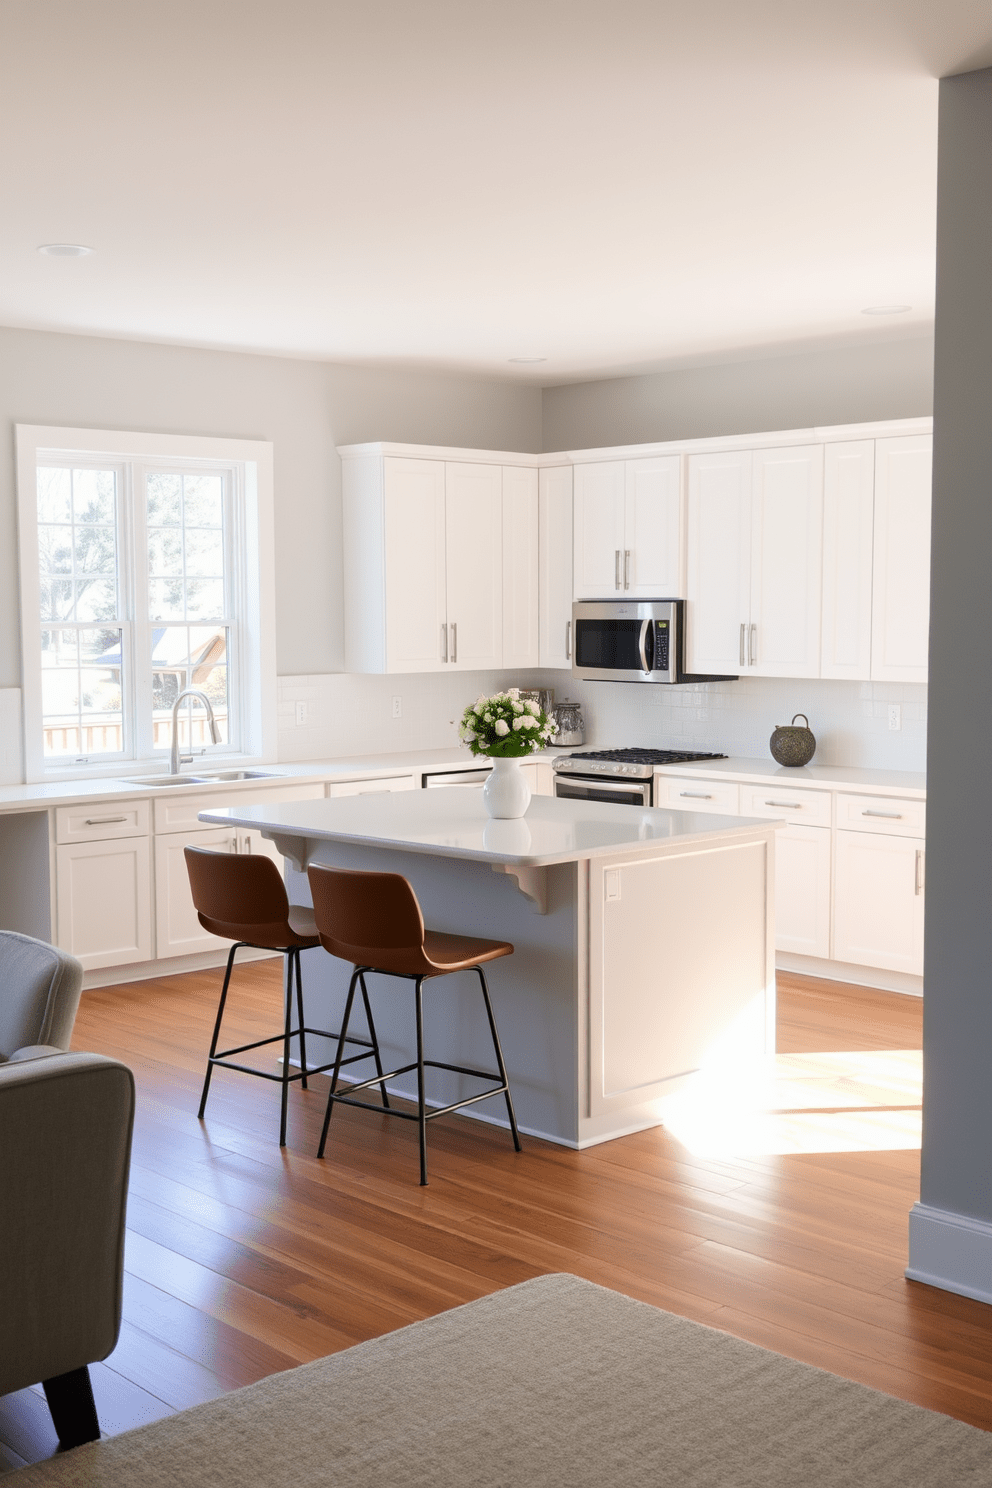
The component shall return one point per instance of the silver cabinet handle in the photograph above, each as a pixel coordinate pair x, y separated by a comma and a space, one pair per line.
788, 805
626, 568
742, 642
616, 568
454, 642
103, 821
885, 815
444, 643
752, 648
919, 870
568, 640
247, 843
696, 795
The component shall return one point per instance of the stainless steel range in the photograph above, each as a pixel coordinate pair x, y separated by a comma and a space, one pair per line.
618, 775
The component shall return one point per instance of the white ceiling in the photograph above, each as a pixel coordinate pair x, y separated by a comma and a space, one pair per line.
610, 184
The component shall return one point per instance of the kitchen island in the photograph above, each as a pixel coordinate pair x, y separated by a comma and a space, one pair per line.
643, 944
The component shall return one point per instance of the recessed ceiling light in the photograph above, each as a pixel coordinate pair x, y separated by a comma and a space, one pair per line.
64, 250
525, 361
886, 309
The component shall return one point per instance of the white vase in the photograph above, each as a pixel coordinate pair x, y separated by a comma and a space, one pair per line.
506, 793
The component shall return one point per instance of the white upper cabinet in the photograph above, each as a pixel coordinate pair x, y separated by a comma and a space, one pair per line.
555, 517
783, 638
653, 562
753, 562
901, 567
718, 562
474, 568
521, 567
415, 570
599, 530
628, 529
848, 518
423, 563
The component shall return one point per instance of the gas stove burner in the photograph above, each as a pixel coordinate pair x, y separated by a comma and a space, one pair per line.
638, 762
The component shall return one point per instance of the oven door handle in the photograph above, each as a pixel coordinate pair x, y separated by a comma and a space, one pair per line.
642, 646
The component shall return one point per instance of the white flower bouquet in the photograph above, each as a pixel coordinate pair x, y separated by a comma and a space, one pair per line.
504, 727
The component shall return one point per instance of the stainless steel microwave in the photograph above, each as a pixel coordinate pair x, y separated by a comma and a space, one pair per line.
632, 641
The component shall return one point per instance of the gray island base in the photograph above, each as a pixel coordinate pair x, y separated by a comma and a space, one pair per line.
644, 945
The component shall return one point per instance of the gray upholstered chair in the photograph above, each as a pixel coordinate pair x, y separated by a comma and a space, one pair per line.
65, 1145
39, 995
66, 1124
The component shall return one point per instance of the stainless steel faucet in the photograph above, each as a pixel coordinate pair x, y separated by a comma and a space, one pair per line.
175, 759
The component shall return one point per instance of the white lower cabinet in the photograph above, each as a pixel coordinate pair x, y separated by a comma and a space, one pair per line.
697, 793
372, 787
849, 867
878, 900
802, 890
104, 912
178, 931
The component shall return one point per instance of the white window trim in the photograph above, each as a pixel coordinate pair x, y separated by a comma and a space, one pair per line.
255, 536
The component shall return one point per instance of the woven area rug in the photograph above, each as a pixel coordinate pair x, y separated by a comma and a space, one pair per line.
554, 1382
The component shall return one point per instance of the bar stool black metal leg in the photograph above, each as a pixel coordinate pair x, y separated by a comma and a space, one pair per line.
213, 1041
421, 1111
499, 1058
294, 958
287, 1034
337, 1063
373, 1036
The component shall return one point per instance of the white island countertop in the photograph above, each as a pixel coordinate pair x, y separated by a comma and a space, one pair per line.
453, 823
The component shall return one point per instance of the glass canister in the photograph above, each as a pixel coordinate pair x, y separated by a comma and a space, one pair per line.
571, 725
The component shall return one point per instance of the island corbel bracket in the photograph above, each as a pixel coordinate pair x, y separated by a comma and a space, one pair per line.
532, 882
296, 850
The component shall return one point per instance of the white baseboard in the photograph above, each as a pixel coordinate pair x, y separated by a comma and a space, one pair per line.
950, 1251
144, 971
846, 971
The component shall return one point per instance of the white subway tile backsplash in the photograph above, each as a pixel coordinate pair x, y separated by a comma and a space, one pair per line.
352, 714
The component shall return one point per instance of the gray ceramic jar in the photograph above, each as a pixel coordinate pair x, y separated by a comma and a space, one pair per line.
791, 745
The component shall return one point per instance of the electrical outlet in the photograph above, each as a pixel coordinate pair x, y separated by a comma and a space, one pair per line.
301, 714
895, 715
397, 707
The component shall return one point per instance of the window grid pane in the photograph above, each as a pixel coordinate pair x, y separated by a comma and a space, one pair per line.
82, 702
77, 540
190, 656
186, 546
82, 637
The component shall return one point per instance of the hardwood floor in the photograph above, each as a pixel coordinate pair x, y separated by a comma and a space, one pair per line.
787, 1228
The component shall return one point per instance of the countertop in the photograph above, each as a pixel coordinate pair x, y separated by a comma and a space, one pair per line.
345, 767
373, 766
453, 823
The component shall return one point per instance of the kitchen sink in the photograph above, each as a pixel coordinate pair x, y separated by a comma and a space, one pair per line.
157, 780
214, 778
241, 775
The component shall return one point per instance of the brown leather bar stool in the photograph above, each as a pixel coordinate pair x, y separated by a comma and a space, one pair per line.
244, 899
374, 921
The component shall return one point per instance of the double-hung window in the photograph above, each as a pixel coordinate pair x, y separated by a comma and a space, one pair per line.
146, 570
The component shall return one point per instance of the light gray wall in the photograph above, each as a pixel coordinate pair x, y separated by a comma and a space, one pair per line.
305, 408
957, 1108
794, 390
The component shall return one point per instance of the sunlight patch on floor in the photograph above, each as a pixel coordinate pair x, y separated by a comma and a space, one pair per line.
845, 1101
